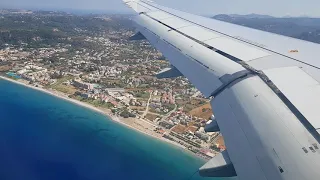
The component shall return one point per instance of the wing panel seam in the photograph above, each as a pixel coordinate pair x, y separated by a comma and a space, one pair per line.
237, 77
245, 135
236, 38
276, 90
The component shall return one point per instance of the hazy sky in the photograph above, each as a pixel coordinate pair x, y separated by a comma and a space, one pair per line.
205, 7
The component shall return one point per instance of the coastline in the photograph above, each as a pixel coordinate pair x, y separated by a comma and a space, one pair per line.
96, 109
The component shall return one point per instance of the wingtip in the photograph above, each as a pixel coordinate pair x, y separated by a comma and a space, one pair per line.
136, 6
127, 1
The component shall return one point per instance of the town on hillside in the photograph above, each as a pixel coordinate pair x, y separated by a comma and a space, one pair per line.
92, 59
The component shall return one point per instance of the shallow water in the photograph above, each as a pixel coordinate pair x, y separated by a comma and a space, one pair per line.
46, 138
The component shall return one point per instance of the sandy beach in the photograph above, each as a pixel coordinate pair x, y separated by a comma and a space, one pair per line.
138, 125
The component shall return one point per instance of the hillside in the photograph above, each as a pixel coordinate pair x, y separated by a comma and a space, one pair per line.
304, 28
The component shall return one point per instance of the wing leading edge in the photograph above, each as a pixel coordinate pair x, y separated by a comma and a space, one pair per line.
270, 131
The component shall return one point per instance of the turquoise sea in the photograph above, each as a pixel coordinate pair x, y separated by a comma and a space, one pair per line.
45, 138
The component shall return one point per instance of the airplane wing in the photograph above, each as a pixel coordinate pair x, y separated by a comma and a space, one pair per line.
264, 90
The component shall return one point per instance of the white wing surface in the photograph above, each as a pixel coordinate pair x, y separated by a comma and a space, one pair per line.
264, 90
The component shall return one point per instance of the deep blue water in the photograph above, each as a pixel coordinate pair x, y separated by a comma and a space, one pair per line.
46, 138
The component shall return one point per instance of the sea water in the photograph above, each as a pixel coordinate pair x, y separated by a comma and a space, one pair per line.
43, 137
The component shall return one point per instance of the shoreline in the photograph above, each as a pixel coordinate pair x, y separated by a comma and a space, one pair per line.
111, 117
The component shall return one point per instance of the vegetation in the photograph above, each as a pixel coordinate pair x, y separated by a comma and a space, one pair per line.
126, 114
59, 86
65, 89
142, 94
152, 117
94, 102
170, 107
214, 147
43, 29
60, 81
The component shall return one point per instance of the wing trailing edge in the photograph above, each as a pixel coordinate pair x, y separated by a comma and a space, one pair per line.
219, 166
265, 138
171, 72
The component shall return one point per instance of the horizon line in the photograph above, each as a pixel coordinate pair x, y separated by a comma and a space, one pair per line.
114, 12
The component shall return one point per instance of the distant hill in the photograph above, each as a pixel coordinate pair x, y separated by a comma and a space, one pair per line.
260, 16
43, 28
304, 28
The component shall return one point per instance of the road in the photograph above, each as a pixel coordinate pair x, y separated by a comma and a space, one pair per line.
147, 109
169, 113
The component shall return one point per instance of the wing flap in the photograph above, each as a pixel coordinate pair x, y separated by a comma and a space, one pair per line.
201, 65
160, 15
265, 138
199, 33
205, 79
218, 166
236, 49
277, 61
287, 47
301, 90
176, 23
171, 72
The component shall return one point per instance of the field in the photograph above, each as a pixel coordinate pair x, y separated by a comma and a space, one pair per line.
138, 108
189, 104
59, 86
152, 117
203, 111
180, 129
